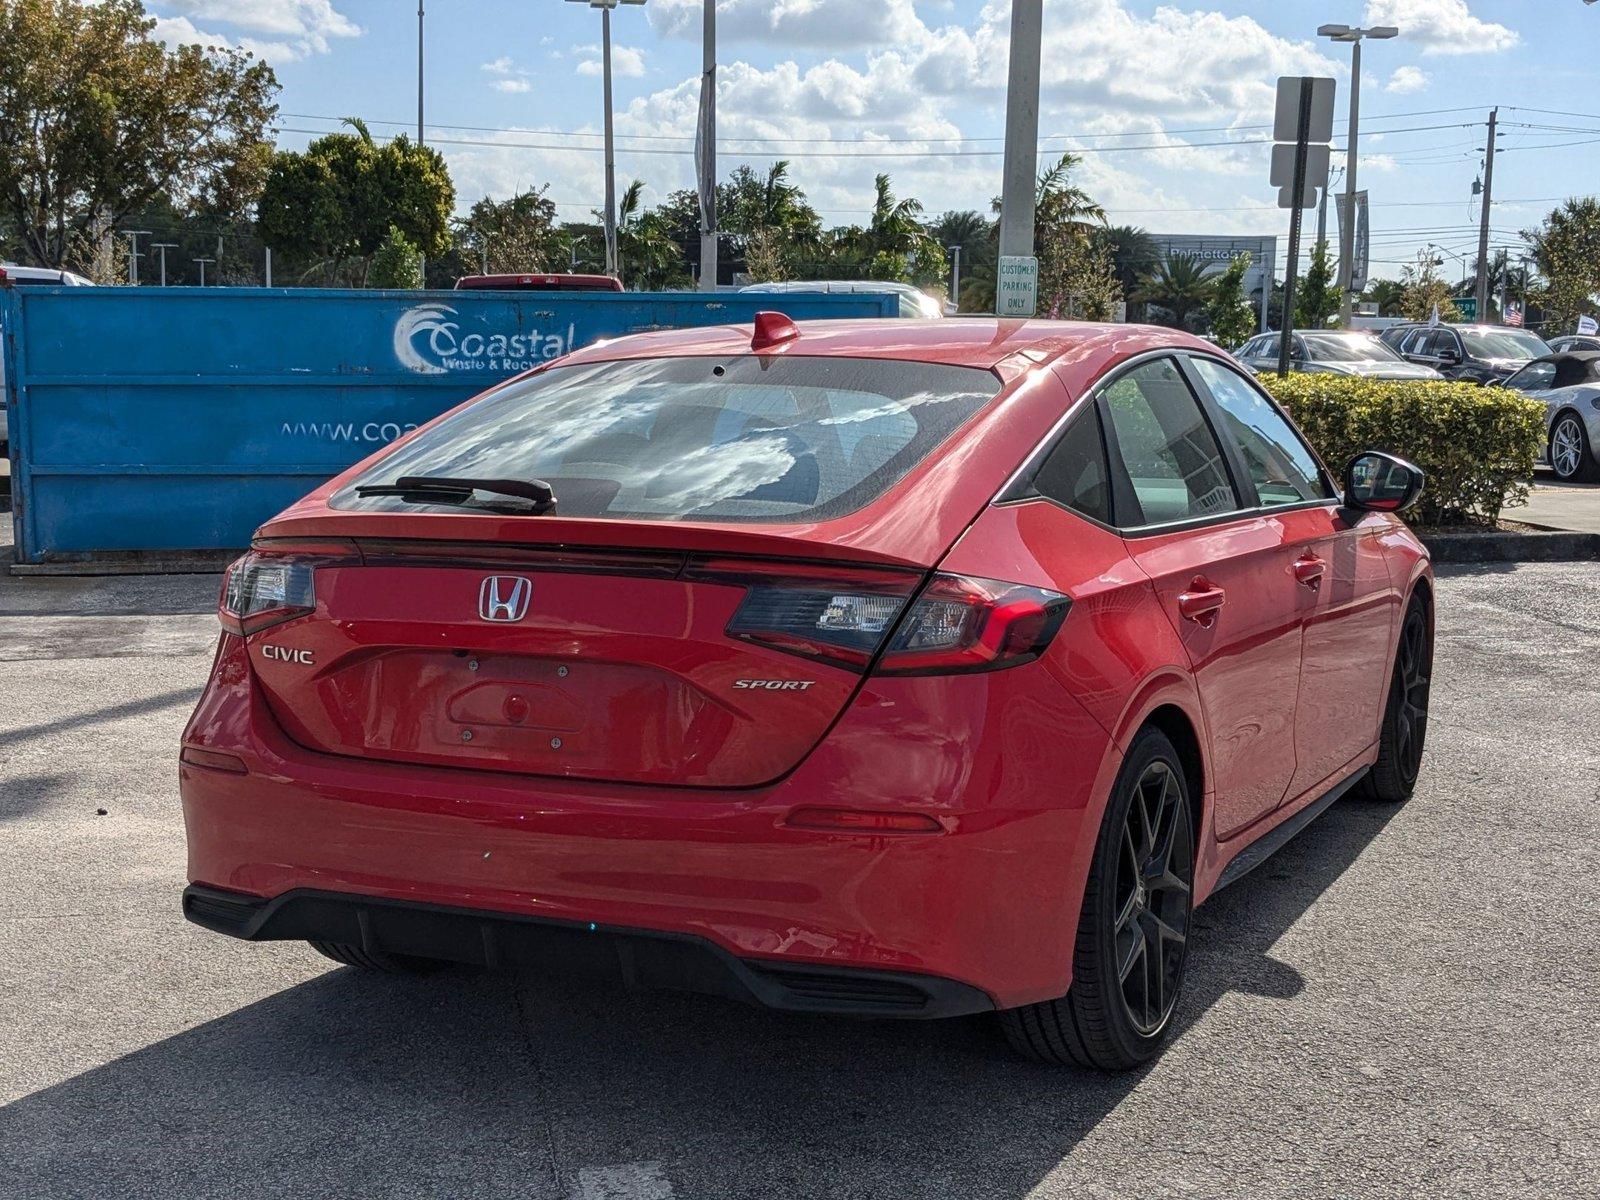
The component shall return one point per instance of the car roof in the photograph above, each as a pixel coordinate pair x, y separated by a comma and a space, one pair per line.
985, 342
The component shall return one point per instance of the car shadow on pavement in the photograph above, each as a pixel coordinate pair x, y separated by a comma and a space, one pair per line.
114, 712
464, 1084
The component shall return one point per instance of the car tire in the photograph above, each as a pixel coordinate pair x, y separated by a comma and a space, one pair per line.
1117, 1013
1403, 734
1569, 440
375, 960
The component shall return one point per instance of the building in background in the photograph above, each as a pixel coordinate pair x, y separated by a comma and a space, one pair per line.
1216, 251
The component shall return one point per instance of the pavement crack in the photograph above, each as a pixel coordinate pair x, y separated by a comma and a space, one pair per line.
541, 1089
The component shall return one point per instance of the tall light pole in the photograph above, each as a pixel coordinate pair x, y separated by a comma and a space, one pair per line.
605, 7
1347, 244
163, 247
706, 150
133, 236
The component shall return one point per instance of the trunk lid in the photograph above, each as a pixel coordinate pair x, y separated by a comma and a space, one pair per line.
609, 665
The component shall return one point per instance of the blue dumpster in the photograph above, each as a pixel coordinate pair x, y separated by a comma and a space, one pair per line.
148, 421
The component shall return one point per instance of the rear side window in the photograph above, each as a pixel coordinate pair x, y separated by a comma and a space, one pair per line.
1281, 465
1074, 475
1165, 446
778, 438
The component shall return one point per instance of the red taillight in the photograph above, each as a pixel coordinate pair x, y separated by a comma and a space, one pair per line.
268, 587
848, 617
838, 615
959, 624
850, 820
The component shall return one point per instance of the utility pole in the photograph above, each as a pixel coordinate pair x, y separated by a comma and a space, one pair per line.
134, 256
203, 262
163, 247
1322, 207
955, 283
1020, 179
706, 148
1483, 224
422, 264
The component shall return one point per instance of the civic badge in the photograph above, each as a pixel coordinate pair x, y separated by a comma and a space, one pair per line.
504, 598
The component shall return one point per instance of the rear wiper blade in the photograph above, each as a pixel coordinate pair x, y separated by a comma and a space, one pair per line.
536, 490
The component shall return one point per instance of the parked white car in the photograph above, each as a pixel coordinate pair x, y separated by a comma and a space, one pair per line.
1569, 385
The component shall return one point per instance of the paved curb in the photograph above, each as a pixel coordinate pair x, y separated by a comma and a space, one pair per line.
1554, 546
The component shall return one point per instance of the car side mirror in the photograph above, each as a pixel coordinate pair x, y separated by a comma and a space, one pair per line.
1450, 356
1378, 482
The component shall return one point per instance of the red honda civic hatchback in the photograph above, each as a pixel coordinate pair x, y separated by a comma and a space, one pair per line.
876, 668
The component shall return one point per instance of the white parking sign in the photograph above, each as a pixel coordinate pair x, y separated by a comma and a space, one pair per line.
1016, 292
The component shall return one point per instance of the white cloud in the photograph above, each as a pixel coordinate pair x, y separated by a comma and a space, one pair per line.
1408, 79
813, 24
626, 61
1442, 26
512, 85
500, 66
274, 29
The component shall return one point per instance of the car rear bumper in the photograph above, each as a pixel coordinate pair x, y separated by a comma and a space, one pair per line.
646, 959
988, 904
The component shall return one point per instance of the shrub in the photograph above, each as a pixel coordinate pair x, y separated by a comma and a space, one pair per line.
1478, 445
396, 263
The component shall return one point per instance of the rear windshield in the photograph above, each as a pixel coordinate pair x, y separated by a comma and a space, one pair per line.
1503, 343
780, 438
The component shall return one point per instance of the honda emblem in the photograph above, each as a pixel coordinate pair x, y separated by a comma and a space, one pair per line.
504, 598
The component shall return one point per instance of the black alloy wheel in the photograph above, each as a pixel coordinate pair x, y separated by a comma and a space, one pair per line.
1155, 876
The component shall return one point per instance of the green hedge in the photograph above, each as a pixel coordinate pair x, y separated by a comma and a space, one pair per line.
1478, 445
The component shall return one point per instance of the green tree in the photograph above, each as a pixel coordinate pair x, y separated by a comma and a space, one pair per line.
1133, 254
1566, 248
1315, 295
1385, 293
647, 258
97, 119
1077, 277
1422, 292
1228, 309
396, 263
1179, 285
513, 235
334, 203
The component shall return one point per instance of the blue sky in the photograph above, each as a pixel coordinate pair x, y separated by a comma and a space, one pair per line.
1158, 97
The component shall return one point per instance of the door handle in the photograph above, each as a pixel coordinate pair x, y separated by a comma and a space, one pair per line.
1201, 602
1309, 570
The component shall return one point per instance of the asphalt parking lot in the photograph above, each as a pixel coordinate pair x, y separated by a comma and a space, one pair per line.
1400, 1004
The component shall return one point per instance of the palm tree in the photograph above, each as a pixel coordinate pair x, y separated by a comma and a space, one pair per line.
1058, 199
967, 229
1133, 255
1385, 293
642, 242
1178, 284
894, 227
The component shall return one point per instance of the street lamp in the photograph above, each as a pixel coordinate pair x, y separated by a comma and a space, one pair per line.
163, 247
605, 7
133, 236
1353, 35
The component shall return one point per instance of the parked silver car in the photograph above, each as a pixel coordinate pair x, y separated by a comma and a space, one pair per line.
1569, 385
1330, 352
